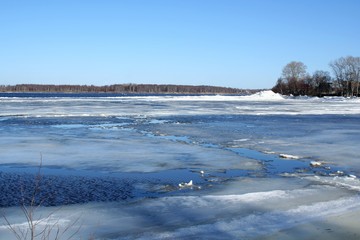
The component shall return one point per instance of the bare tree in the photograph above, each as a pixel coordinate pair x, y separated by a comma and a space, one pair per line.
347, 74
320, 82
354, 68
345, 80
338, 68
280, 87
295, 70
293, 73
38, 226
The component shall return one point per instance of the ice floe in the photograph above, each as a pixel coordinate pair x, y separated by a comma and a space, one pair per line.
315, 164
289, 156
186, 185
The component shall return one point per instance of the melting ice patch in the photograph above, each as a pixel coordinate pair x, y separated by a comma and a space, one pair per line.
350, 182
231, 216
257, 224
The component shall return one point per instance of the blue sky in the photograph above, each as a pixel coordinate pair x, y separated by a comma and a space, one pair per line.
232, 43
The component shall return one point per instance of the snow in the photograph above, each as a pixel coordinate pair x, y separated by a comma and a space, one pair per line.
261, 103
265, 96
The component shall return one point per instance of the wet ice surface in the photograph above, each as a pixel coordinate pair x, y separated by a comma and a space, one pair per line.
260, 160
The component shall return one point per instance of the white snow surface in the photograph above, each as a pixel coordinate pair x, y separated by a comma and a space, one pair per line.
261, 103
267, 95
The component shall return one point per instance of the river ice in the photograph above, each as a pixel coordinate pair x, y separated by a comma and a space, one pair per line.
120, 164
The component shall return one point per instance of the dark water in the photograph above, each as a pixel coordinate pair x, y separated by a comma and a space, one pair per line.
60, 186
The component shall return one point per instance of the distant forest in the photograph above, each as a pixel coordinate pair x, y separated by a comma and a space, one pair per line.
123, 88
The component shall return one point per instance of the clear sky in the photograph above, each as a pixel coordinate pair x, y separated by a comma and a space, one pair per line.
232, 43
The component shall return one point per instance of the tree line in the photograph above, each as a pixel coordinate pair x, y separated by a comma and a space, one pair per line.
122, 88
344, 81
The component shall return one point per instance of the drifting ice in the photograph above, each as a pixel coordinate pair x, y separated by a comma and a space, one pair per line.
183, 185
315, 164
288, 156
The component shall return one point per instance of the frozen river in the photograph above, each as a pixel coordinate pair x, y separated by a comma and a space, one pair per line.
180, 167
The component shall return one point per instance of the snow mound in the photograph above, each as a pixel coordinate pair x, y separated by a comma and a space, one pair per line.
266, 95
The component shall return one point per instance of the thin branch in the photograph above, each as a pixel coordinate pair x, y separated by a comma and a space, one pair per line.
29, 206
